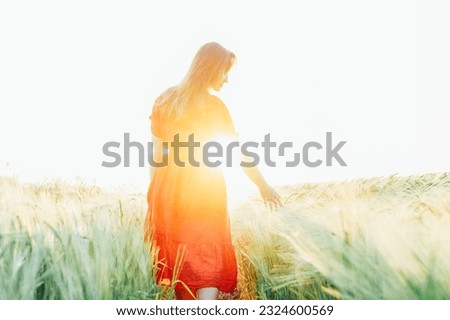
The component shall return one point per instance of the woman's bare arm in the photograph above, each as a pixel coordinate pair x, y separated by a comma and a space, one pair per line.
271, 198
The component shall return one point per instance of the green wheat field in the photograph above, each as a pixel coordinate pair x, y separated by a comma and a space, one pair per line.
378, 238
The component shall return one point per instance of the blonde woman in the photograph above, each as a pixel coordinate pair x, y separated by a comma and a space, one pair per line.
187, 220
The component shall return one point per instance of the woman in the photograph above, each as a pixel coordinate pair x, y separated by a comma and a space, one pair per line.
187, 219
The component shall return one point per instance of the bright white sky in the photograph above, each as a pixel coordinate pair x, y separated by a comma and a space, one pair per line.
74, 75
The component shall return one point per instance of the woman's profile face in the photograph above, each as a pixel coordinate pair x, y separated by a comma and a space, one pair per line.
220, 81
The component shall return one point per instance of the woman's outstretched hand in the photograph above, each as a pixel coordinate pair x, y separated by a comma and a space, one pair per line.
271, 198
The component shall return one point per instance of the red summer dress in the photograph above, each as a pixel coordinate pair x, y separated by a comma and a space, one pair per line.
187, 219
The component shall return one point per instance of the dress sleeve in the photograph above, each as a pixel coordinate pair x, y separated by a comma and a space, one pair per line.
225, 123
155, 123
159, 122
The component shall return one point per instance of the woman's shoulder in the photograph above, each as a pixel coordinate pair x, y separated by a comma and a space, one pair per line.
163, 101
218, 105
216, 101
221, 112
158, 116
165, 97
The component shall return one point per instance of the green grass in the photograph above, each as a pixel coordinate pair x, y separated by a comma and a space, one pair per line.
380, 238
72, 242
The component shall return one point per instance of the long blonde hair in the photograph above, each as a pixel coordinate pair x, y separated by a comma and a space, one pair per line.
210, 61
